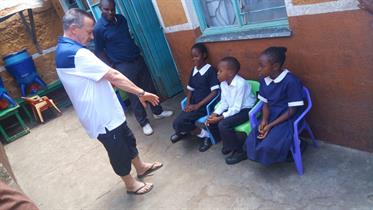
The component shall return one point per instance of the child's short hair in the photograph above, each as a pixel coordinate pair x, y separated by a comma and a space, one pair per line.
232, 62
276, 54
201, 48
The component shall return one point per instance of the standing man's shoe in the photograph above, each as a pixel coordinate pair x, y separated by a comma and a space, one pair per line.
177, 137
205, 145
147, 129
236, 157
164, 114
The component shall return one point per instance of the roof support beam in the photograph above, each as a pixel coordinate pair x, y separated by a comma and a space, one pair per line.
30, 28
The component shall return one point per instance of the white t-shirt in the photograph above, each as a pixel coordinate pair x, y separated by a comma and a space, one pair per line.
93, 97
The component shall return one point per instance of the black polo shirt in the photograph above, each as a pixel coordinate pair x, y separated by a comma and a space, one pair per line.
113, 39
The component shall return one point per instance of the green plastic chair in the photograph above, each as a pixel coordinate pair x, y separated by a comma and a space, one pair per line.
13, 111
246, 127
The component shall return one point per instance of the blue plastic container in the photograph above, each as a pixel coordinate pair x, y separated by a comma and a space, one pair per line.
16, 57
21, 66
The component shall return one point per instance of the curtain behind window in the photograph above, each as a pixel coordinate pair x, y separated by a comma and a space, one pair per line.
222, 12
219, 12
256, 11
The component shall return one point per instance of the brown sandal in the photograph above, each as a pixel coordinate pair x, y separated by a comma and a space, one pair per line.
153, 168
137, 192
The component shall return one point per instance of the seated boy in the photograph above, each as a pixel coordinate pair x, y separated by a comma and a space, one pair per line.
236, 101
202, 88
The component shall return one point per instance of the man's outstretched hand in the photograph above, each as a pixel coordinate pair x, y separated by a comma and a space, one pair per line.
149, 97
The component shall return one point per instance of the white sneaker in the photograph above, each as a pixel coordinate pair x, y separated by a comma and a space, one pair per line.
163, 114
147, 129
203, 134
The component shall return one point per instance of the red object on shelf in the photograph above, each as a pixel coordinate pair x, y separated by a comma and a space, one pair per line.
3, 104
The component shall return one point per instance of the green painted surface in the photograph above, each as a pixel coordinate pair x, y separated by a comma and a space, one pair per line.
12, 111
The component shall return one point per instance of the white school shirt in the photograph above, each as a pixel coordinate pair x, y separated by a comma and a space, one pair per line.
235, 97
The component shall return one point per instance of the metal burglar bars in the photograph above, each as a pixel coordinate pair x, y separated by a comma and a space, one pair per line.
223, 16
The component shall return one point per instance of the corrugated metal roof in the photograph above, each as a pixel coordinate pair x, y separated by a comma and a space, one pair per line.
9, 7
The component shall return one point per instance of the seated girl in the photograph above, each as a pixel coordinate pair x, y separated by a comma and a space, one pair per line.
202, 88
281, 92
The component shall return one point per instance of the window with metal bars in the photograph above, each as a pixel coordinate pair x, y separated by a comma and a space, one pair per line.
68, 4
91, 6
226, 16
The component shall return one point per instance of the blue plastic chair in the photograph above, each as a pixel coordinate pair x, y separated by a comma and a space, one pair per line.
299, 125
209, 108
4, 94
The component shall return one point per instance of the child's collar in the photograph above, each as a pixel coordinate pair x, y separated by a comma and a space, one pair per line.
201, 71
234, 81
278, 79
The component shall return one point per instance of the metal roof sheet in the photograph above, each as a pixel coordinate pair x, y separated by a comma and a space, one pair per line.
10, 7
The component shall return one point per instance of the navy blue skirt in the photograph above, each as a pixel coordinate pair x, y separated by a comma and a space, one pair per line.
274, 148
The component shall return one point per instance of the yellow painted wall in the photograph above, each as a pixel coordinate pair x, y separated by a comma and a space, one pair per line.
299, 2
172, 12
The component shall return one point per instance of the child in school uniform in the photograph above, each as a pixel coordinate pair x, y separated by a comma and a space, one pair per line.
202, 88
235, 104
281, 92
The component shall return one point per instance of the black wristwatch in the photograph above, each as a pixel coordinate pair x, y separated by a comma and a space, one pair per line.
141, 94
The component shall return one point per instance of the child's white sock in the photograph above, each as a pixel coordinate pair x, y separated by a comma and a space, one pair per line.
203, 134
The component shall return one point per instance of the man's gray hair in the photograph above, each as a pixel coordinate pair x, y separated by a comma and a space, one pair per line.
74, 16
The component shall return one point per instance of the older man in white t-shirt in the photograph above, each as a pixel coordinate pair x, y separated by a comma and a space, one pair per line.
88, 82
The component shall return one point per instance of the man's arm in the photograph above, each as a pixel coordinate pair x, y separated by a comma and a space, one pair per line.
119, 80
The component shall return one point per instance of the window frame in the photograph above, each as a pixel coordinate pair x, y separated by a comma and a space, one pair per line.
89, 6
66, 5
274, 24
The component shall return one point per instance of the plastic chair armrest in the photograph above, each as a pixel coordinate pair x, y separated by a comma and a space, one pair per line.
296, 122
215, 107
183, 103
253, 112
308, 108
210, 105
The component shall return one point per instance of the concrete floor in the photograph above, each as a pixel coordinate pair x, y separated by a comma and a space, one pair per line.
59, 167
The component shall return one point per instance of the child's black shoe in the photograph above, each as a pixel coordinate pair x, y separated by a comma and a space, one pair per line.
205, 145
225, 151
236, 157
177, 137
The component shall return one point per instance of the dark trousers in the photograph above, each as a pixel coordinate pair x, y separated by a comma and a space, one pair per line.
224, 130
185, 121
138, 73
120, 144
